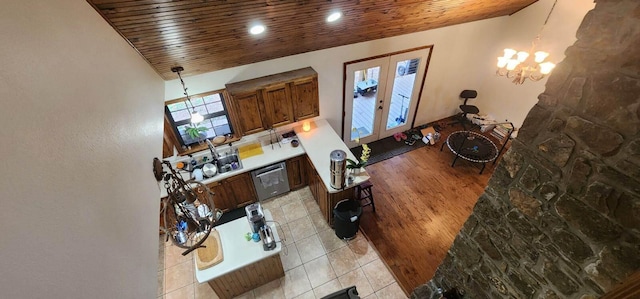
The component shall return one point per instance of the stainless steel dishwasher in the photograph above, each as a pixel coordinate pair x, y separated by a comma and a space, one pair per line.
271, 181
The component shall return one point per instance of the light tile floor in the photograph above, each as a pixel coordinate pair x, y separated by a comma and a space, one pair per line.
316, 262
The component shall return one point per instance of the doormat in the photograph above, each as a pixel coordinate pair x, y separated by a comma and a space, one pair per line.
386, 148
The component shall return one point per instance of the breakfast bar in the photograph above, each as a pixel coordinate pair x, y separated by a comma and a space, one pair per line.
246, 265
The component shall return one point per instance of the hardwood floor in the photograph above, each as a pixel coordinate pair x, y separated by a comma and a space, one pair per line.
421, 204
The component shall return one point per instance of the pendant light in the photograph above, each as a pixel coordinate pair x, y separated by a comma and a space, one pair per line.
195, 116
519, 65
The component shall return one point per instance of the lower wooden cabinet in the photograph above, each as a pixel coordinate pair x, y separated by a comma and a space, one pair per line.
247, 278
234, 192
240, 188
238, 191
219, 196
297, 172
326, 200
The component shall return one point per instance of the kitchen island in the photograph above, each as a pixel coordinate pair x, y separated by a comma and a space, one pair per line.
246, 265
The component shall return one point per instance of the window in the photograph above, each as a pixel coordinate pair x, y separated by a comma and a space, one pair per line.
211, 106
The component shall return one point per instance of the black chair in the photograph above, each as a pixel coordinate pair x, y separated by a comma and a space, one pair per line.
466, 95
464, 108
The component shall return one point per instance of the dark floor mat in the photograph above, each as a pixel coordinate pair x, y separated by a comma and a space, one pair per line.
386, 148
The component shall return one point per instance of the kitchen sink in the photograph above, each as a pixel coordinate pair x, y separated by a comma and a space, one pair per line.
228, 163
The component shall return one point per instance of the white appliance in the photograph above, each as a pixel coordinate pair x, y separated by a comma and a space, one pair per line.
271, 180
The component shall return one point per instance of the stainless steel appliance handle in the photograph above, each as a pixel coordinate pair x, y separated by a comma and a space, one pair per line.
269, 171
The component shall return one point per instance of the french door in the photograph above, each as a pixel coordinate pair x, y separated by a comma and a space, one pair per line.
381, 95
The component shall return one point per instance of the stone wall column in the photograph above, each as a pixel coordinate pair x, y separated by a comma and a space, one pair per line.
560, 217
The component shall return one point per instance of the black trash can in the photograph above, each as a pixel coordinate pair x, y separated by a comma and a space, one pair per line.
347, 293
346, 218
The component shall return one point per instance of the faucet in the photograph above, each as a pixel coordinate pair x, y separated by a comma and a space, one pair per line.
214, 153
272, 132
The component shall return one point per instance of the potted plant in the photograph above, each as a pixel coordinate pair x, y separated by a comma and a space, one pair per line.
355, 166
196, 133
364, 157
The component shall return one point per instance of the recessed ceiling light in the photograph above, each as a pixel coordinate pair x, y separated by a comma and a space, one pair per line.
257, 29
334, 17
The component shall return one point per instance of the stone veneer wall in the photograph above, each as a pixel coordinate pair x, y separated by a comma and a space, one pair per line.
560, 217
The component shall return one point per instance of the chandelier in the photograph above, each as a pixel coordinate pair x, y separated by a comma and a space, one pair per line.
520, 65
195, 116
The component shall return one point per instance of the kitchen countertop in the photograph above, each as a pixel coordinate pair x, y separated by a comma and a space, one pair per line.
270, 156
318, 143
236, 250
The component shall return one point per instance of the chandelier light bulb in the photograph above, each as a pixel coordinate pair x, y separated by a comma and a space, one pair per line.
196, 117
546, 67
502, 62
522, 56
540, 56
511, 65
508, 53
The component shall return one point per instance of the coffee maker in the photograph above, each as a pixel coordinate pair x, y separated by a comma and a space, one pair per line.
255, 216
258, 225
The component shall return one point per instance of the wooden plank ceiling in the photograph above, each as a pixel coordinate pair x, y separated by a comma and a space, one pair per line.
209, 35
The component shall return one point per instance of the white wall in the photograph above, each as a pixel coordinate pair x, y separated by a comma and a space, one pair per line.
463, 57
81, 121
500, 97
451, 69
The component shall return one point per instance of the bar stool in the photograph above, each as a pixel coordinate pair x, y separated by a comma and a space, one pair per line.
364, 194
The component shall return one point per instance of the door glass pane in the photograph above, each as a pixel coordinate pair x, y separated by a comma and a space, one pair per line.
365, 97
402, 90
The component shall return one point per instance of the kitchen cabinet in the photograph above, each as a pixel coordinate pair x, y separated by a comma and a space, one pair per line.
240, 189
305, 98
250, 118
220, 198
168, 138
326, 200
312, 178
276, 100
277, 104
297, 172
234, 192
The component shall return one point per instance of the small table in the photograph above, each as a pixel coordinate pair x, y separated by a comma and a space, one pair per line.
367, 86
471, 146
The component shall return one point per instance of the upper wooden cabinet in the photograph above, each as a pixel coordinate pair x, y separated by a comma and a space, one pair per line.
305, 98
249, 112
277, 104
276, 100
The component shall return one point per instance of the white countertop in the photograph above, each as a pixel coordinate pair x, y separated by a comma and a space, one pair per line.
236, 250
270, 156
319, 142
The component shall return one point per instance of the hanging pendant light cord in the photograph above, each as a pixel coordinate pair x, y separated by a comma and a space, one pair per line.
549, 15
533, 43
184, 87
545, 21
